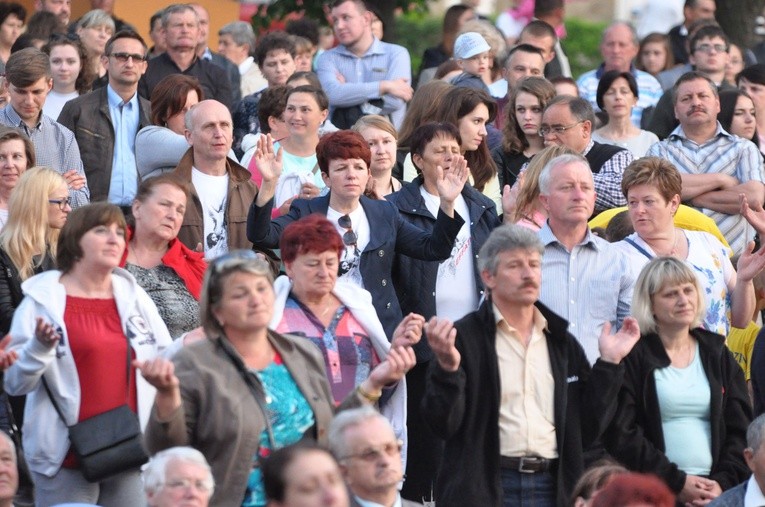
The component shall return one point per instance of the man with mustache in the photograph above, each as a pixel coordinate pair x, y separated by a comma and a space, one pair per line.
511, 391
716, 166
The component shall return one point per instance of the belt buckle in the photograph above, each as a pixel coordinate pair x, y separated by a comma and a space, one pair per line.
522, 465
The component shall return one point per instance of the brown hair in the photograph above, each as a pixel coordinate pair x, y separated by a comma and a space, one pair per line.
78, 223
147, 186
653, 171
169, 96
27, 66
421, 108
87, 75
11, 134
513, 138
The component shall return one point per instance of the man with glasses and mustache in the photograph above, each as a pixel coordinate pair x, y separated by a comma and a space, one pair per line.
106, 121
365, 445
716, 167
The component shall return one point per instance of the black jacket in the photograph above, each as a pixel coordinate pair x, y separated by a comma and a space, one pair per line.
389, 235
414, 279
10, 288
635, 436
463, 408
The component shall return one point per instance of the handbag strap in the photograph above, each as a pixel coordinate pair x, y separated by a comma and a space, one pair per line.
639, 248
258, 391
53, 399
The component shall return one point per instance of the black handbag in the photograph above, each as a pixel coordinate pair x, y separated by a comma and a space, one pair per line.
108, 443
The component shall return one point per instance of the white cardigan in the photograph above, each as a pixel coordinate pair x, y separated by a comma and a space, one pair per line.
359, 303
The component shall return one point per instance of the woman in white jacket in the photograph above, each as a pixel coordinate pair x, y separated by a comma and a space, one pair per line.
73, 329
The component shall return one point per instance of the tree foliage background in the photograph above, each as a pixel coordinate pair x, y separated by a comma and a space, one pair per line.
281, 10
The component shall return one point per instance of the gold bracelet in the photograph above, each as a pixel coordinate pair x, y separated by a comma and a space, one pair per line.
367, 396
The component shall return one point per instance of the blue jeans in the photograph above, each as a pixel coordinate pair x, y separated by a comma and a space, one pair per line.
527, 490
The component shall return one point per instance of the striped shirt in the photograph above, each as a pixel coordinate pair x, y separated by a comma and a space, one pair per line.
55, 147
381, 62
589, 286
649, 90
725, 154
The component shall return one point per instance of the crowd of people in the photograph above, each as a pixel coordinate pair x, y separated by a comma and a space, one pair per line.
294, 273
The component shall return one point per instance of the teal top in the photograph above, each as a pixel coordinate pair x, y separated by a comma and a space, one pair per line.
684, 401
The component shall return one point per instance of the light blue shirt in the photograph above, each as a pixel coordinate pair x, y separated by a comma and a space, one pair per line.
684, 401
366, 503
125, 118
381, 62
722, 153
589, 286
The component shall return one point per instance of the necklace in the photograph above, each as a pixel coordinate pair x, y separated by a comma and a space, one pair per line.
673, 250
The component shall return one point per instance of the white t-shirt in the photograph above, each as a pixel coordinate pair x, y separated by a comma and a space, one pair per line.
455, 283
55, 101
351, 257
213, 194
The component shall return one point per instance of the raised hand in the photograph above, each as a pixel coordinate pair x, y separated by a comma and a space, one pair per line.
46, 334
755, 216
269, 163
399, 361
158, 372
614, 347
409, 331
451, 182
750, 264
510, 198
7, 357
441, 338
74, 180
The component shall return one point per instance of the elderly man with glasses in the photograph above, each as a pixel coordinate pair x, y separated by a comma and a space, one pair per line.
568, 121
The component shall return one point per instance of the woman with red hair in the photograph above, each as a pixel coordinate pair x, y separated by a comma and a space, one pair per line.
635, 490
336, 316
368, 251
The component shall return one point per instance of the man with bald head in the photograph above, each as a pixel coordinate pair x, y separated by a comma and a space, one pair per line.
619, 47
221, 189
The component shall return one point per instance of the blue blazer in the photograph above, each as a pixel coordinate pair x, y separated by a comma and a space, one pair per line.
390, 234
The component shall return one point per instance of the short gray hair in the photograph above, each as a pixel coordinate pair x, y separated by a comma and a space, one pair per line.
241, 33
155, 470
348, 419
755, 433
96, 18
635, 38
661, 272
11, 445
580, 108
505, 238
545, 176
177, 9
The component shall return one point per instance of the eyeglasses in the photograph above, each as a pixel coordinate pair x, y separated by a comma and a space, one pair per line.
373, 454
556, 129
220, 263
124, 57
349, 237
707, 48
62, 203
184, 484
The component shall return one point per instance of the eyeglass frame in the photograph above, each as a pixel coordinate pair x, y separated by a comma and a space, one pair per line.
62, 203
203, 485
707, 47
372, 454
557, 129
125, 57
349, 237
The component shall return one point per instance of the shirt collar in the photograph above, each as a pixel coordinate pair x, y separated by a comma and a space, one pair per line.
540, 322
602, 70
719, 131
588, 148
116, 101
245, 65
753, 496
16, 120
547, 237
367, 503
375, 49
207, 54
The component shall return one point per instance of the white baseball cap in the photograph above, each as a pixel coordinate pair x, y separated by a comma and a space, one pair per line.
470, 44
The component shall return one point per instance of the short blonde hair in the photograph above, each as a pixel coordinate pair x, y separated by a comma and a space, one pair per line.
657, 274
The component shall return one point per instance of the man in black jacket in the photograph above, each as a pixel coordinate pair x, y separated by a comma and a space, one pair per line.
512, 392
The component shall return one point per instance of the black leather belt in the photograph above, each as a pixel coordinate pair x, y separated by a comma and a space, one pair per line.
527, 464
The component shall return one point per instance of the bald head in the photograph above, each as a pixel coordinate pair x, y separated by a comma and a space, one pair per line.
619, 47
209, 131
